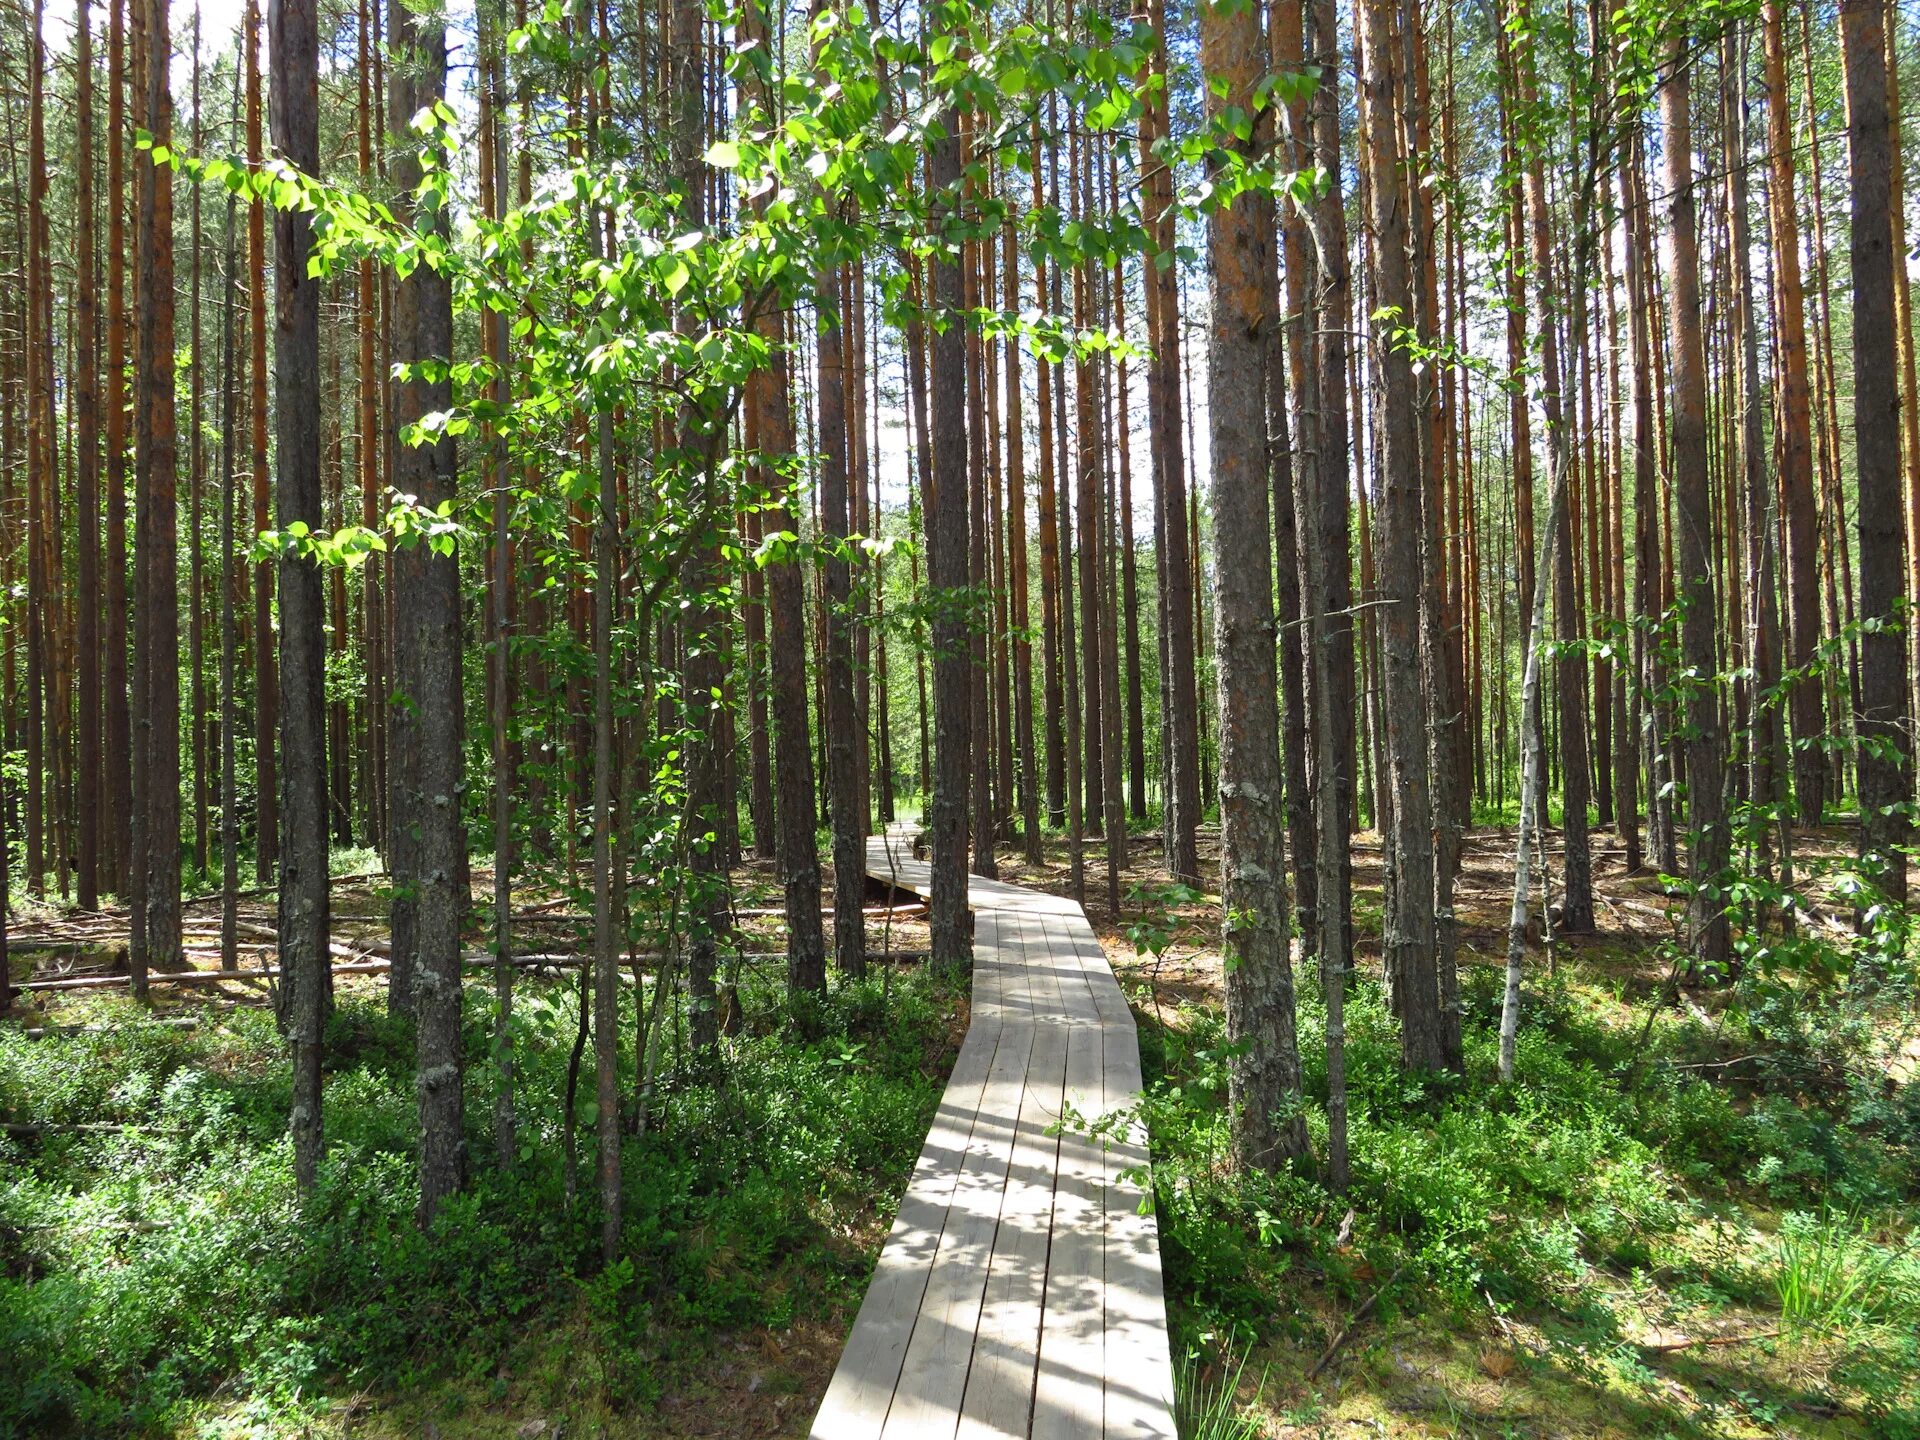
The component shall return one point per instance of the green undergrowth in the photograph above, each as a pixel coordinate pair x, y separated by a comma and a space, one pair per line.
162, 1278
1632, 1239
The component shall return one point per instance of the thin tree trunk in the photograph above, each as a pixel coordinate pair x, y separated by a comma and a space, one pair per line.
1577, 872
229, 620
945, 506
1019, 615
266, 705
1412, 980
1794, 447
493, 175
1180, 702
1766, 741
1333, 869
1051, 617
373, 624
197, 477
840, 720
1705, 754
87, 468
118, 739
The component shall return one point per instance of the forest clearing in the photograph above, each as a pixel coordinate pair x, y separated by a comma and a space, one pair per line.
1022, 719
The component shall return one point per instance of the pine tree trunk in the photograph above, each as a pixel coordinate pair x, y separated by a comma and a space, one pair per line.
979, 451
117, 736
86, 307
1051, 618
1019, 615
372, 620
229, 621
1881, 724
294, 37
197, 745
266, 707
427, 655
840, 720
1412, 980
1333, 884
1705, 752
157, 641
1766, 740
1794, 449
1180, 701
1577, 874
1264, 1073
945, 507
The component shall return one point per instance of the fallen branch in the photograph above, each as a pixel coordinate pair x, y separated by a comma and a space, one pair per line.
472, 960
41, 1032
1346, 1331
1700, 1341
29, 1127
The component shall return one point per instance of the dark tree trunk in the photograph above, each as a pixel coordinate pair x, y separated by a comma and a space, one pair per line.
428, 867
118, 739
1019, 612
305, 964
1886, 783
229, 620
1412, 979
1180, 704
86, 307
1795, 445
980, 614
769, 398
945, 506
1333, 883
157, 940
266, 703
841, 722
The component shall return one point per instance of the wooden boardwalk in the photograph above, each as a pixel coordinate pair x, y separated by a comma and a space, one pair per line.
1018, 1293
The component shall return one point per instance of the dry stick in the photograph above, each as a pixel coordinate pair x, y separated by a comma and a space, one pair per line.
1704, 1340
1346, 1332
178, 1022
28, 1127
474, 960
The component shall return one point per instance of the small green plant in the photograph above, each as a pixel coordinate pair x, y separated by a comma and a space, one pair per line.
1832, 1278
1207, 1399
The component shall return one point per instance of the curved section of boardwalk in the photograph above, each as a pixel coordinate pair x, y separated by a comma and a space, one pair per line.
1018, 1293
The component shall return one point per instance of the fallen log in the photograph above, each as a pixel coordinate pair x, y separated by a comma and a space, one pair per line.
473, 960
180, 1022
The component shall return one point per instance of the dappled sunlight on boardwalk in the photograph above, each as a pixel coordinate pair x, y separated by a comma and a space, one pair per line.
1019, 1290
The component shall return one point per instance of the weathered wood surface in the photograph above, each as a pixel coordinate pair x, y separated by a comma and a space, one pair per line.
1019, 1291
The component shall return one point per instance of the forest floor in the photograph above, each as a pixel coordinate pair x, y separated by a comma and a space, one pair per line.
1668, 1292
1708, 1235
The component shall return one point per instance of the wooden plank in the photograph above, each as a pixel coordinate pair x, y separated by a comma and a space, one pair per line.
1020, 1290
1138, 1366
933, 1375
1068, 1399
999, 1393
861, 1391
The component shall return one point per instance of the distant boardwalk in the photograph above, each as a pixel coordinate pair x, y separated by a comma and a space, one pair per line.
1019, 1291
